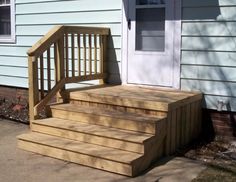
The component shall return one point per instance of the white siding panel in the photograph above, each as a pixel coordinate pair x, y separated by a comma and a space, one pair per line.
209, 13
216, 88
209, 43
60, 18
209, 50
42, 29
207, 3
214, 73
209, 58
34, 18
68, 6
209, 29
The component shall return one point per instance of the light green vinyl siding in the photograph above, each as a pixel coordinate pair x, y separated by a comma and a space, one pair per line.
34, 18
208, 61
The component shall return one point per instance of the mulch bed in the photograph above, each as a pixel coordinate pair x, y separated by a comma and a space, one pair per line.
218, 155
15, 109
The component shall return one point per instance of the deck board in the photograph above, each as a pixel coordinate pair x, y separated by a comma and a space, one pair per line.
137, 97
122, 129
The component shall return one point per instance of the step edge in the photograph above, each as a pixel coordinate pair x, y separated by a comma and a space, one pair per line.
151, 121
130, 174
79, 152
84, 94
58, 127
129, 146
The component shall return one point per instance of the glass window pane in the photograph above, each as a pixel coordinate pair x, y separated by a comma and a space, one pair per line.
5, 20
146, 2
150, 29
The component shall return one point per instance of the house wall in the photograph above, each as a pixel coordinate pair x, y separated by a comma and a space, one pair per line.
208, 60
208, 56
34, 18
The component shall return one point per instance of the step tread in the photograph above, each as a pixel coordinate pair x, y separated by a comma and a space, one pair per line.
130, 96
107, 112
91, 129
80, 147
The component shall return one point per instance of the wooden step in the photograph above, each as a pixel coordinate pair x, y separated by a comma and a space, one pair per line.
89, 133
106, 117
161, 105
135, 97
109, 159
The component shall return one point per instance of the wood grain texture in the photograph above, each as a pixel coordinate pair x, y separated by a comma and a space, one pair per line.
33, 86
94, 129
107, 117
95, 134
86, 154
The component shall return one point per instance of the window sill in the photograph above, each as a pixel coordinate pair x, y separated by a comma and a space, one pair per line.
10, 40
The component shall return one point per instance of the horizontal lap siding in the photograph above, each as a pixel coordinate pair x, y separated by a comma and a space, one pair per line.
208, 61
34, 18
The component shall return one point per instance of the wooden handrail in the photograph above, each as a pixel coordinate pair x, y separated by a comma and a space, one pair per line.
55, 52
87, 30
52, 36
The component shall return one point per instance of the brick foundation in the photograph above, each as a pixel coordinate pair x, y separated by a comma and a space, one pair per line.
12, 93
221, 124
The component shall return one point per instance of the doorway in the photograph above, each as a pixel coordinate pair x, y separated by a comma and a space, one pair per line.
151, 43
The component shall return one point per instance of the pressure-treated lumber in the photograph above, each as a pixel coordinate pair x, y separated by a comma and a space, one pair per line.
136, 97
64, 62
99, 135
104, 158
106, 117
143, 122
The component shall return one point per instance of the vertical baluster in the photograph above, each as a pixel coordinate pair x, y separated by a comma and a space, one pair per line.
79, 55
49, 69
55, 63
85, 52
72, 55
60, 59
101, 53
95, 54
67, 55
90, 54
42, 76
60, 69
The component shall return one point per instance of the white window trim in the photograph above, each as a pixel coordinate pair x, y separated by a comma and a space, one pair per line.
12, 37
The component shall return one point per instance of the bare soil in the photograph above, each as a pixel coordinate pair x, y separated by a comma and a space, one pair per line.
15, 109
219, 156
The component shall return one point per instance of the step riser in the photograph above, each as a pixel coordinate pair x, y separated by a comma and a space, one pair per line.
120, 108
105, 121
78, 158
88, 138
120, 101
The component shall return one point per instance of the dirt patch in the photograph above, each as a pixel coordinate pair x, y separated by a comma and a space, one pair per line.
219, 156
15, 109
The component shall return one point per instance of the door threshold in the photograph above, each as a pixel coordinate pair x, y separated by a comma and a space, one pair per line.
149, 86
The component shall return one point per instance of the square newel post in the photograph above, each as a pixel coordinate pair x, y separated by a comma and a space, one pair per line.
33, 87
60, 69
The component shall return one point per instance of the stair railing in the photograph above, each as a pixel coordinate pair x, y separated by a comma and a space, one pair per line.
66, 54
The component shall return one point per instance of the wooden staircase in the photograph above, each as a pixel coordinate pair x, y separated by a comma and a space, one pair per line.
119, 129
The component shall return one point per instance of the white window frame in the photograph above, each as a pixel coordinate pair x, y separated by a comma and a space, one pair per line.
11, 38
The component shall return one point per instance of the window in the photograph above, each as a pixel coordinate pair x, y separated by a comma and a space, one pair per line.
150, 25
7, 21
